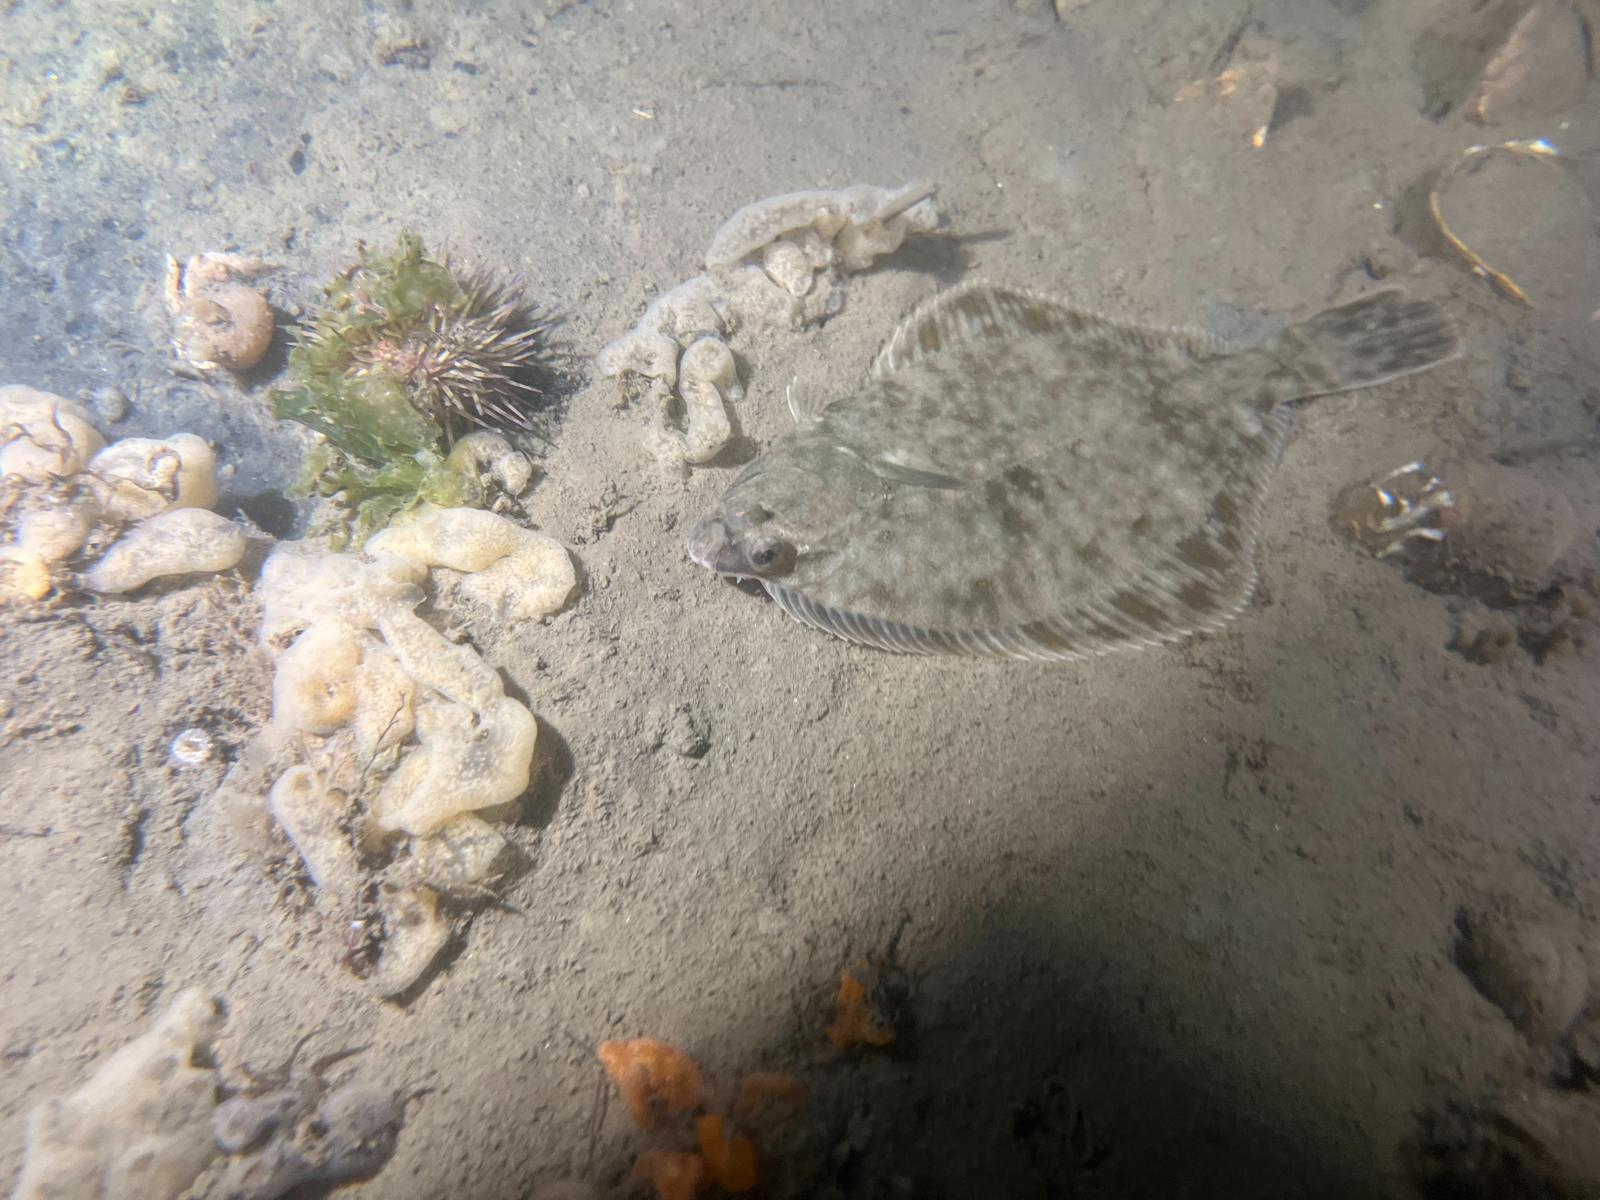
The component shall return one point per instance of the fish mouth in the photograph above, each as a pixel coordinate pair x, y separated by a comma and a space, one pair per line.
710, 546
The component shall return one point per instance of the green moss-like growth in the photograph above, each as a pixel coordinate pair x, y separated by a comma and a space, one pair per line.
405, 353
373, 496
349, 384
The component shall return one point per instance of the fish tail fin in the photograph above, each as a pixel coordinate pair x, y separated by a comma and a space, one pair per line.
1367, 341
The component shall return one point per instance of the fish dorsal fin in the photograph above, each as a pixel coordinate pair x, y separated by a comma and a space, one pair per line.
806, 401
977, 311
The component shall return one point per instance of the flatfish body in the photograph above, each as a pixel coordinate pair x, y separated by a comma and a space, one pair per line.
1020, 479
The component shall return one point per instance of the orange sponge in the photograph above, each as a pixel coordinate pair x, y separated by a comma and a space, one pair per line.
675, 1174
856, 1021
729, 1154
769, 1097
653, 1077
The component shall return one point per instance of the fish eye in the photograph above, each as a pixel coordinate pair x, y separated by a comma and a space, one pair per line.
765, 552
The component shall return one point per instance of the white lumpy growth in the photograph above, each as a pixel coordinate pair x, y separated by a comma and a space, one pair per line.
707, 378
778, 262
71, 493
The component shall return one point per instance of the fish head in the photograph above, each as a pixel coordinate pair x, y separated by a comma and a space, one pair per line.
776, 516
733, 544
745, 538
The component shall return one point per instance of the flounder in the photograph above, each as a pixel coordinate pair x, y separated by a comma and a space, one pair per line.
1019, 479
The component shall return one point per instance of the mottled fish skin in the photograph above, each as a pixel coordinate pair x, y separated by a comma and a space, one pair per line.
1020, 479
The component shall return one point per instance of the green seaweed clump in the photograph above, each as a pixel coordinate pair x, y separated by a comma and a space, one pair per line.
404, 355
375, 495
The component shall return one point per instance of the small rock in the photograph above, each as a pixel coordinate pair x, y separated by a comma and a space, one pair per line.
110, 404
682, 732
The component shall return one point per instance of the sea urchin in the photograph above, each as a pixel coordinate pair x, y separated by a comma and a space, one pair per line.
407, 349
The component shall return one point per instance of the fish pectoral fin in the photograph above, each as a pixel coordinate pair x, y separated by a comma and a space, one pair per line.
806, 401
895, 472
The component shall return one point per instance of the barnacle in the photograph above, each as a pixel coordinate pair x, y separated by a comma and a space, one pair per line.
1386, 515
654, 1078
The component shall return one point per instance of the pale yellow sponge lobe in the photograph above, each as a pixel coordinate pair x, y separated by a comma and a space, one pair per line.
146, 476
303, 586
433, 660
314, 818
141, 1125
518, 573
43, 436
466, 762
314, 685
185, 541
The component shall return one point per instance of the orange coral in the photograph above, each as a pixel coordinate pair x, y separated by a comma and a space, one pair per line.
729, 1154
856, 1021
768, 1097
653, 1077
675, 1174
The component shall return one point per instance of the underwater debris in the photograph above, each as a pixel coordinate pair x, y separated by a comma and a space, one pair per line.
140, 507
778, 261
1537, 149
1541, 69
141, 1124
1385, 515
1249, 87
218, 321
656, 1079
192, 747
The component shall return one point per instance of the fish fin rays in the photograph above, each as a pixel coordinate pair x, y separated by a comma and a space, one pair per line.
806, 401
895, 472
978, 311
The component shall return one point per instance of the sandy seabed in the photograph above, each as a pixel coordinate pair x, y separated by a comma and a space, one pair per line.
1196, 921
